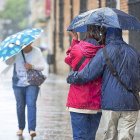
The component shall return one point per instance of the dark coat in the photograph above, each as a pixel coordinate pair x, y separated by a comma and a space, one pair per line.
126, 60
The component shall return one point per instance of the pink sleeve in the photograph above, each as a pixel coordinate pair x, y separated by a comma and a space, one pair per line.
74, 42
68, 58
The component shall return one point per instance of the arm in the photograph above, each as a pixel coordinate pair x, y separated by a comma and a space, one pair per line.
40, 65
92, 70
68, 58
38, 62
35, 67
75, 41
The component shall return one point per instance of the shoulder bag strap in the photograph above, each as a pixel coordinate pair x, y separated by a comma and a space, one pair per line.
80, 63
115, 73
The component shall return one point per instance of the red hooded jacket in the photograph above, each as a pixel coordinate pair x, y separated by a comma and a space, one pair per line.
87, 96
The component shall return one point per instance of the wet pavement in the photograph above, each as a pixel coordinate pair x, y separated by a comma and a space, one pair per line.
52, 117
53, 122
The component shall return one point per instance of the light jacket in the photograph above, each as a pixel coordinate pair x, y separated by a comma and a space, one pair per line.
85, 96
20, 73
126, 61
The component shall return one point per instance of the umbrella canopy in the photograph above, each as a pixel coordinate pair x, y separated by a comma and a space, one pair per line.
15, 43
108, 17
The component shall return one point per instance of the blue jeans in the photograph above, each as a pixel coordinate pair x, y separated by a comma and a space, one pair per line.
26, 96
84, 126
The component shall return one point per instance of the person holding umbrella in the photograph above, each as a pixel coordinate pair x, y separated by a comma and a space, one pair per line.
25, 57
84, 101
119, 65
118, 102
25, 93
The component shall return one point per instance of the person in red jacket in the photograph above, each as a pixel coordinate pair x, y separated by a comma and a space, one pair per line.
84, 101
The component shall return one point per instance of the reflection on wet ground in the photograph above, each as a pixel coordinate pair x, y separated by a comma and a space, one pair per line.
52, 117
55, 125
53, 122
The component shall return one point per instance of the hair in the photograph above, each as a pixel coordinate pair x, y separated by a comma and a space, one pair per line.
96, 32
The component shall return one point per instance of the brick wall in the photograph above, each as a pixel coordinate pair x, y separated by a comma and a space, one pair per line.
92, 4
62, 68
124, 6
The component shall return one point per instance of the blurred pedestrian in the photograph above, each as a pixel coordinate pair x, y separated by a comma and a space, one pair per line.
119, 66
83, 101
25, 93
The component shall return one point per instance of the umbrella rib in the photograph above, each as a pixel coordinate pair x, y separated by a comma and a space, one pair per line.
102, 17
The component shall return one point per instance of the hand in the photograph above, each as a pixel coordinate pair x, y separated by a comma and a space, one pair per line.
70, 78
74, 35
28, 66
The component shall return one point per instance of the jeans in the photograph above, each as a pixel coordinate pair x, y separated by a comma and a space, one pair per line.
84, 126
26, 96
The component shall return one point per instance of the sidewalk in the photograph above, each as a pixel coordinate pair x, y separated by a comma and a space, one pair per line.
53, 122
52, 117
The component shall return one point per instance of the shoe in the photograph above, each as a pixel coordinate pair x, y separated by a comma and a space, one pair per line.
32, 133
19, 132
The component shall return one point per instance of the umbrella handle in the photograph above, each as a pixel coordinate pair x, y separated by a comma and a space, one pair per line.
23, 56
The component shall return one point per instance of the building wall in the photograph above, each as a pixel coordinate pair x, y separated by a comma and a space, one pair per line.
38, 19
37, 10
134, 9
61, 67
124, 5
92, 4
103, 3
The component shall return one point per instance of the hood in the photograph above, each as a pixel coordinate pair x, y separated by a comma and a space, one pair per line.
92, 41
113, 34
88, 48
